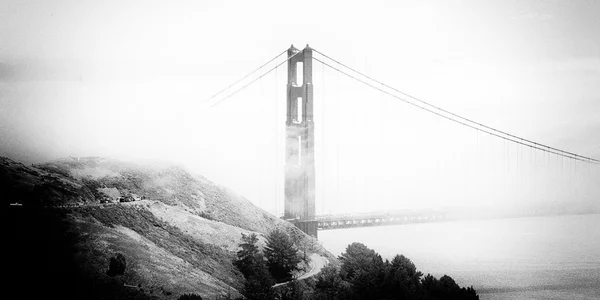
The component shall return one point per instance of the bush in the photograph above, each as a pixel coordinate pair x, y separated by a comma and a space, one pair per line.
206, 215
189, 297
117, 265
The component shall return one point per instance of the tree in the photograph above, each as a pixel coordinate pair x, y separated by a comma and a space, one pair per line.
259, 284
369, 283
252, 264
430, 283
282, 256
364, 275
365, 270
296, 290
448, 284
451, 290
403, 280
357, 258
305, 243
446, 288
248, 254
469, 293
330, 285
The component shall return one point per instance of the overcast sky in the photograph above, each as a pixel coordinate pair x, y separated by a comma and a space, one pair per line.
126, 79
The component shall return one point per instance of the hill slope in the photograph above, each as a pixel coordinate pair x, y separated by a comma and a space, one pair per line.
181, 238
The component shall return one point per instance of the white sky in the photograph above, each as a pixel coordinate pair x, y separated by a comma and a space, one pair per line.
104, 78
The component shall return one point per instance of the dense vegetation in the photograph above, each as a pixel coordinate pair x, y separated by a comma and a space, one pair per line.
189, 297
251, 262
362, 274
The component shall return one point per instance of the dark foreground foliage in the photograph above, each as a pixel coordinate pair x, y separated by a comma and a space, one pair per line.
282, 255
252, 264
117, 265
363, 274
189, 297
42, 259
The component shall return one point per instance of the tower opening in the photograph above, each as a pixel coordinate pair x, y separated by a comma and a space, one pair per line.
299, 73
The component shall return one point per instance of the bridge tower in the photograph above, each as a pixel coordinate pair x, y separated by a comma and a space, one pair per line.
300, 155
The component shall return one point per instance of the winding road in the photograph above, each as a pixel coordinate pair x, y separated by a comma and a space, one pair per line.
317, 262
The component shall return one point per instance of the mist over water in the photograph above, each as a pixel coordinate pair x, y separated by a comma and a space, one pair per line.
555, 257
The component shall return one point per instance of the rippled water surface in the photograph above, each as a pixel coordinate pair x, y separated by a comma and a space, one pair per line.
522, 258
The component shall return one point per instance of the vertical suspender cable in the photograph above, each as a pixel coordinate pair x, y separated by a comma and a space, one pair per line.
339, 124
261, 157
324, 152
276, 156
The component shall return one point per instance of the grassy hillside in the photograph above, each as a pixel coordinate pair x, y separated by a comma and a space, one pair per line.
180, 239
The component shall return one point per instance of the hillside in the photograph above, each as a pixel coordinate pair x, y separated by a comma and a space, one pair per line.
178, 234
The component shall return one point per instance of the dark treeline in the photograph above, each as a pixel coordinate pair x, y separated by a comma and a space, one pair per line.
261, 270
362, 274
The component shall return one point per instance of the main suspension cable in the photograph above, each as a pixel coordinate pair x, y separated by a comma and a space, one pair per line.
253, 81
578, 157
567, 153
246, 76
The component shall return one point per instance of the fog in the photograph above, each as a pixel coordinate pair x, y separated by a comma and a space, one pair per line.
129, 81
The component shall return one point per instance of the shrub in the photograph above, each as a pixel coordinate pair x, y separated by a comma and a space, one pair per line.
206, 215
189, 297
117, 265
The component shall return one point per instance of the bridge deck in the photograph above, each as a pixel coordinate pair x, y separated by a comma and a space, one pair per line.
329, 222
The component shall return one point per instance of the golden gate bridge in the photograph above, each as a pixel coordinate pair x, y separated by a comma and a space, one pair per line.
300, 171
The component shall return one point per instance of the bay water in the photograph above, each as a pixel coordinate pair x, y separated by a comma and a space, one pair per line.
550, 257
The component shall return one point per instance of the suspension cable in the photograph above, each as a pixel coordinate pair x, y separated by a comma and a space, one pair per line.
578, 157
567, 154
246, 76
253, 81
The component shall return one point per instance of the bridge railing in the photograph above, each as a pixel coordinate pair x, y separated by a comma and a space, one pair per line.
367, 220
